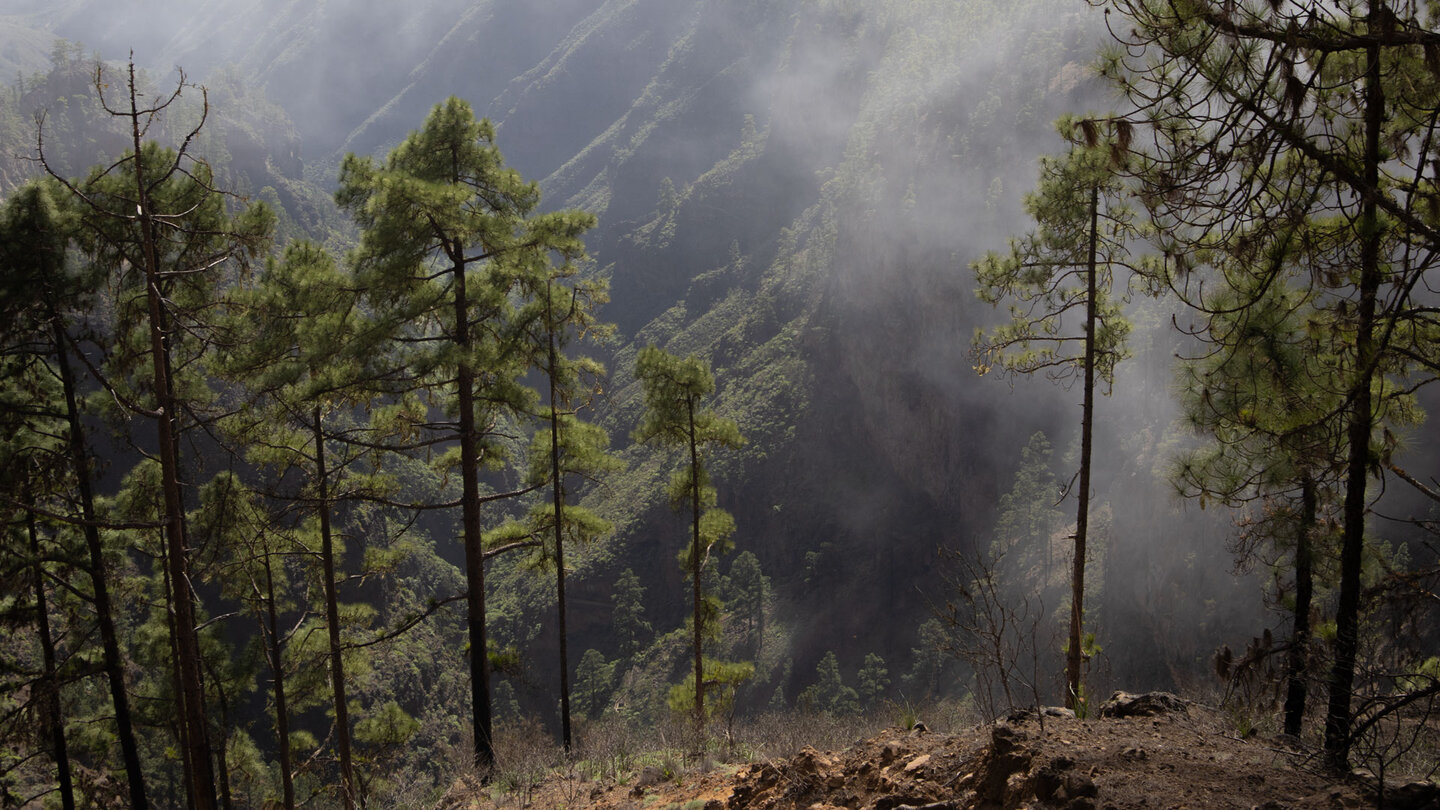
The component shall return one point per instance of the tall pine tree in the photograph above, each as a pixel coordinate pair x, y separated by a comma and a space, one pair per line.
448, 234
674, 416
1058, 277
156, 222
1268, 122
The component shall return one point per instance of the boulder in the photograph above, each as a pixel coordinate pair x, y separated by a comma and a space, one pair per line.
1149, 704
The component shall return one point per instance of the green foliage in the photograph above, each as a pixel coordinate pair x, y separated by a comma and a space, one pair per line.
931, 661
907, 714
1082, 702
1425, 676
778, 702
1067, 268
1044, 275
1296, 167
307, 341
628, 614
461, 335
1266, 402
582, 449
829, 694
507, 707
1028, 516
747, 592
38, 288
424, 205
37, 274
204, 243
1090, 649
755, 312
385, 726
673, 389
593, 679
872, 680
381, 737
722, 680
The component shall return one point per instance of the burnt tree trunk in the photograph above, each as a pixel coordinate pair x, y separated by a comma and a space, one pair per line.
332, 620
99, 582
1074, 656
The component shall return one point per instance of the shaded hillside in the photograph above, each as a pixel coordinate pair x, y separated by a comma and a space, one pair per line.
793, 190
251, 143
841, 337
362, 73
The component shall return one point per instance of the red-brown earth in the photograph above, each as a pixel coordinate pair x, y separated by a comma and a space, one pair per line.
1160, 752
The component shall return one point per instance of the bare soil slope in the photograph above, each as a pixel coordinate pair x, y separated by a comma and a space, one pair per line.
1152, 751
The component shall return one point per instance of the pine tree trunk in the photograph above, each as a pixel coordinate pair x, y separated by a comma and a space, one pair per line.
192, 705
470, 529
1362, 418
222, 752
1295, 694
181, 736
99, 584
558, 498
51, 687
276, 651
332, 620
1074, 659
695, 570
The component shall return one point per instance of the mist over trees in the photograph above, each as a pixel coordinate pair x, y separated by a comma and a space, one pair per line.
330, 440
1070, 263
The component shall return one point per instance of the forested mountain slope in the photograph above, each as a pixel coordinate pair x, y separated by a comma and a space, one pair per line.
793, 191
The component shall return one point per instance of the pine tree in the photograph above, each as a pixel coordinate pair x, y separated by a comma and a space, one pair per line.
592, 682
1027, 512
829, 694
449, 234
1300, 136
301, 361
563, 309
931, 659
628, 614
156, 222
873, 680
1064, 270
42, 430
748, 591
1262, 395
28, 557
674, 389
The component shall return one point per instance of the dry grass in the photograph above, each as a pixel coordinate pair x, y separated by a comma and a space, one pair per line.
614, 751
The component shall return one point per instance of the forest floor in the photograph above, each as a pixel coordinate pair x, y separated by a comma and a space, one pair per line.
1169, 754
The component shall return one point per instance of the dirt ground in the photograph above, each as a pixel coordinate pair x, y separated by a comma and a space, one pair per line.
1166, 754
